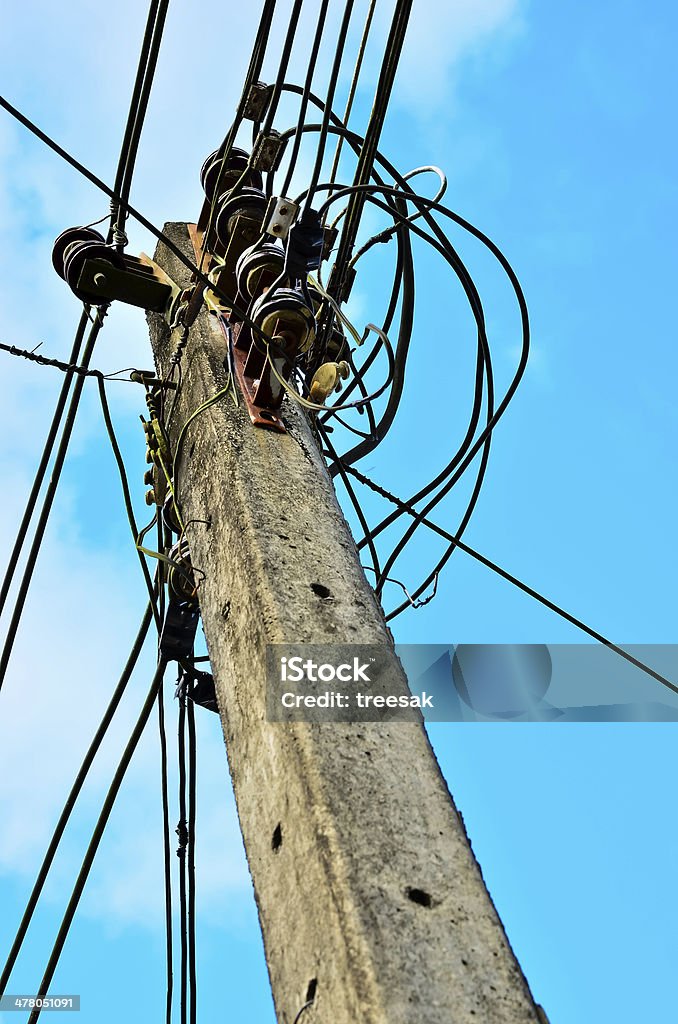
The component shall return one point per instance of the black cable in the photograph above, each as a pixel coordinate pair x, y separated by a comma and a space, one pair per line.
164, 541
253, 71
354, 85
43, 464
134, 119
427, 205
127, 497
282, 67
369, 150
449, 253
72, 797
446, 535
48, 499
138, 123
182, 833
329, 101
322, 430
192, 809
167, 859
313, 59
99, 828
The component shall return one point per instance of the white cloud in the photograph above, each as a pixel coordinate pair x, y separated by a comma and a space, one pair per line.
440, 36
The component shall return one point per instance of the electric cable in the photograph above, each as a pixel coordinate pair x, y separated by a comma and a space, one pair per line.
510, 578
167, 854
372, 135
282, 67
190, 867
143, 82
313, 59
45, 457
48, 499
164, 539
354, 85
127, 497
329, 101
182, 833
253, 71
97, 834
72, 797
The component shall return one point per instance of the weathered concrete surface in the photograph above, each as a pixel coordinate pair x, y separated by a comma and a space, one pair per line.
340, 822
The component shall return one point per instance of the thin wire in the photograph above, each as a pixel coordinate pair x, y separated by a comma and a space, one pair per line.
369, 150
42, 465
140, 97
48, 499
127, 497
331, 89
282, 67
182, 833
192, 810
313, 59
97, 834
163, 537
72, 797
510, 578
354, 86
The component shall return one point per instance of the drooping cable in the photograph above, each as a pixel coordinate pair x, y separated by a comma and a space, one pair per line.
329, 102
48, 501
183, 837
514, 580
141, 91
45, 457
72, 797
97, 834
164, 542
190, 866
368, 152
354, 86
312, 61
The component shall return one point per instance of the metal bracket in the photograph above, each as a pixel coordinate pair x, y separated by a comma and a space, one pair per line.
245, 359
279, 217
179, 629
268, 151
259, 413
198, 687
257, 102
140, 283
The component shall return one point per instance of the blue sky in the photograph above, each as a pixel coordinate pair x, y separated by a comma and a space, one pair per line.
552, 122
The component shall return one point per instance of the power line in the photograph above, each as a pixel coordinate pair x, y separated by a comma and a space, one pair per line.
148, 58
97, 834
378, 489
48, 499
45, 457
354, 85
72, 797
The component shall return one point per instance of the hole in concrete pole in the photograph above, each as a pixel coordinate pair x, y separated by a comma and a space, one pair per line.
419, 896
276, 841
311, 990
321, 591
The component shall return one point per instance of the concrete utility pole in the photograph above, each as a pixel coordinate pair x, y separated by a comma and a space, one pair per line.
371, 902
